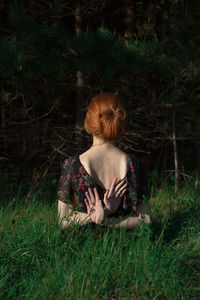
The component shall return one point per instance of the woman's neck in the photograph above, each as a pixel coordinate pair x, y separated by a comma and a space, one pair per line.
99, 141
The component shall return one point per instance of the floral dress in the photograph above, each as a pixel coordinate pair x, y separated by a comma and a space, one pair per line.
75, 181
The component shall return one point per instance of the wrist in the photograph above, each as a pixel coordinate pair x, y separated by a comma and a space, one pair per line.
89, 219
102, 219
108, 210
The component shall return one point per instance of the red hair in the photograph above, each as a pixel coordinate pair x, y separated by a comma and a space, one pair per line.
105, 117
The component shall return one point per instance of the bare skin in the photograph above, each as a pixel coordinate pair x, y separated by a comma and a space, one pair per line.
95, 211
111, 198
104, 162
94, 206
108, 174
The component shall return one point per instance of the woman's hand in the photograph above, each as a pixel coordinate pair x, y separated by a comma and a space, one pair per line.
94, 206
113, 196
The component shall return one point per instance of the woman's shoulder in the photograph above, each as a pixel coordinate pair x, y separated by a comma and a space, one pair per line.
133, 158
70, 161
136, 164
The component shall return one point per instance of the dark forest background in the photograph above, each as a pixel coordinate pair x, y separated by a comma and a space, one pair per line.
56, 55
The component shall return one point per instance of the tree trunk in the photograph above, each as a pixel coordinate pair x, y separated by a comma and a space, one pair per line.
5, 97
164, 160
79, 89
129, 21
175, 148
198, 158
165, 19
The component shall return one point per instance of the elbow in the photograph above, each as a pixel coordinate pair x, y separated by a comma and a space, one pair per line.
146, 220
63, 223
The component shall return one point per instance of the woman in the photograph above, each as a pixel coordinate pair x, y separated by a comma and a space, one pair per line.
103, 185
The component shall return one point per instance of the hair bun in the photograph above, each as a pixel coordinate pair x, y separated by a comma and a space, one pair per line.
111, 113
105, 117
120, 113
107, 113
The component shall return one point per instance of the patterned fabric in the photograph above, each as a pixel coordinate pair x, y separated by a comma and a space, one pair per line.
75, 181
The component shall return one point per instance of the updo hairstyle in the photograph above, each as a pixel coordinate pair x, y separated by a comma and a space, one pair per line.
105, 117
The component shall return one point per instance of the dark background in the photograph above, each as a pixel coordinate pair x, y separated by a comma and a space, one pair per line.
56, 55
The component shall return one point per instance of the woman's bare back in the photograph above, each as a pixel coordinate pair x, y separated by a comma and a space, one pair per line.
105, 162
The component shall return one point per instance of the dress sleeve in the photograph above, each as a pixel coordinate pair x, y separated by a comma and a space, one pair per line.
65, 191
137, 189
142, 186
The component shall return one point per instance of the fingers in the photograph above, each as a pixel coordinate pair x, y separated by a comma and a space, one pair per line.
98, 200
106, 194
87, 205
89, 202
90, 210
96, 194
90, 196
112, 186
121, 192
120, 186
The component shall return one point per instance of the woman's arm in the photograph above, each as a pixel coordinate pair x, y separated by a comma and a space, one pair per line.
133, 221
66, 214
67, 217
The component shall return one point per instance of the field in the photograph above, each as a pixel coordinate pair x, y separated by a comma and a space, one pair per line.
40, 261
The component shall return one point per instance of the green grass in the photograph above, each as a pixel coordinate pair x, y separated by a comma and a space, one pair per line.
40, 261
